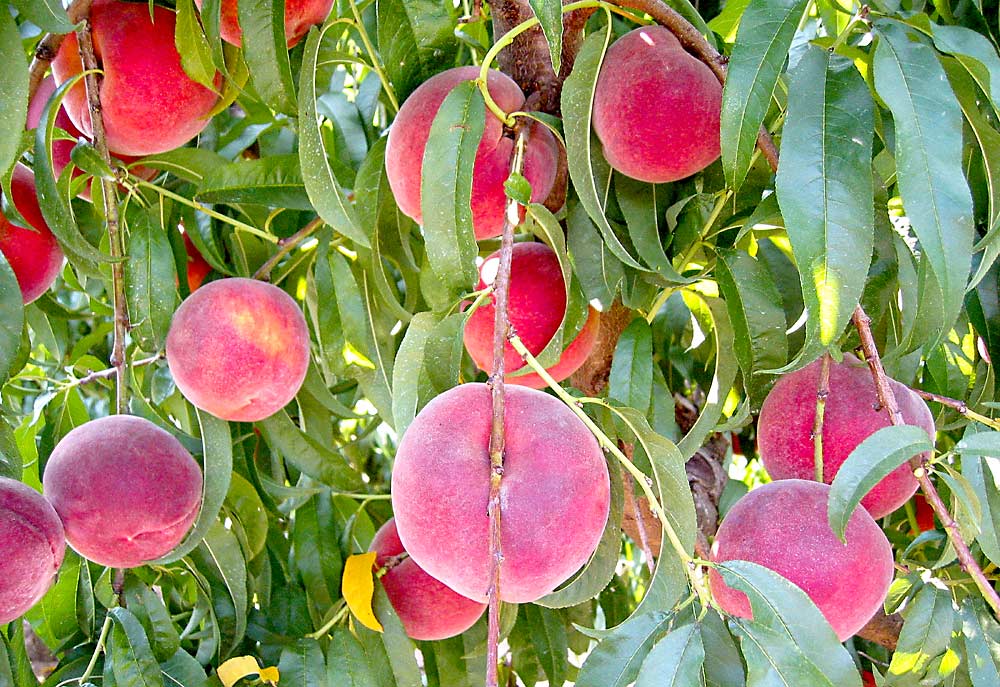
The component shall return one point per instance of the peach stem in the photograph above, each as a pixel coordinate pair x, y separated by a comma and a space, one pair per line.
822, 391
887, 399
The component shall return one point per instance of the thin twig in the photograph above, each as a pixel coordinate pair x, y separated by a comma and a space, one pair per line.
501, 323
116, 241
822, 391
48, 47
286, 246
110, 372
695, 43
960, 406
888, 401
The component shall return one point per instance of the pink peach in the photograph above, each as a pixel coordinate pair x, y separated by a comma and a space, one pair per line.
33, 254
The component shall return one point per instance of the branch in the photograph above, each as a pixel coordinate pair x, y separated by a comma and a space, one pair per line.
285, 246
501, 324
116, 240
111, 372
960, 406
48, 47
887, 399
695, 43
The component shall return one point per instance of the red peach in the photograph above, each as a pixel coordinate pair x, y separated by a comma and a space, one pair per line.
33, 254
783, 526
536, 307
127, 491
784, 429
33, 545
555, 493
924, 513
238, 349
428, 609
656, 108
404, 151
300, 16
149, 103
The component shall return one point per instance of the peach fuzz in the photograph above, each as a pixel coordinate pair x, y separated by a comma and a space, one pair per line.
126, 490
33, 545
783, 526
555, 492
784, 428
300, 16
238, 349
408, 135
62, 149
428, 609
33, 254
149, 103
536, 307
656, 108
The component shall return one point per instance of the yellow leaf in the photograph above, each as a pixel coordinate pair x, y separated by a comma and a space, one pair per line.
235, 669
358, 587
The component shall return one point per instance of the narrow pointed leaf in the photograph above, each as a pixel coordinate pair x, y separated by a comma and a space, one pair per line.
262, 23
675, 661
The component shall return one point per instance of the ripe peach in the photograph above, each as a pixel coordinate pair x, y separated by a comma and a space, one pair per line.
300, 16
784, 429
428, 609
62, 149
924, 514
555, 492
127, 491
33, 545
656, 108
238, 349
197, 267
404, 152
149, 103
33, 254
537, 304
783, 526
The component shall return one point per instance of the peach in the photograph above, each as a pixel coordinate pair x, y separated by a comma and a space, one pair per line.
428, 609
404, 151
197, 267
33, 544
783, 526
555, 492
61, 148
149, 103
33, 254
537, 304
127, 491
300, 16
656, 108
784, 429
238, 349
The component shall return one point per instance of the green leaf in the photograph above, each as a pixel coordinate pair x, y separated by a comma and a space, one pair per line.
220, 559
217, 469
266, 54
616, 660
13, 91
644, 207
54, 617
398, 648
762, 44
981, 634
548, 637
416, 39
926, 633
324, 189
308, 455
928, 125
346, 663
446, 187
631, 378
192, 45
49, 15
826, 192
302, 664
975, 52
758, 318
407, 369
788, 636
675, 661
189, 164
275, 181
550, 18
151, 612
601, 274
317, 549
725, 667
582, 152
981, 467
11, 319
183, 670
873, 459
129, 653
149, 277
